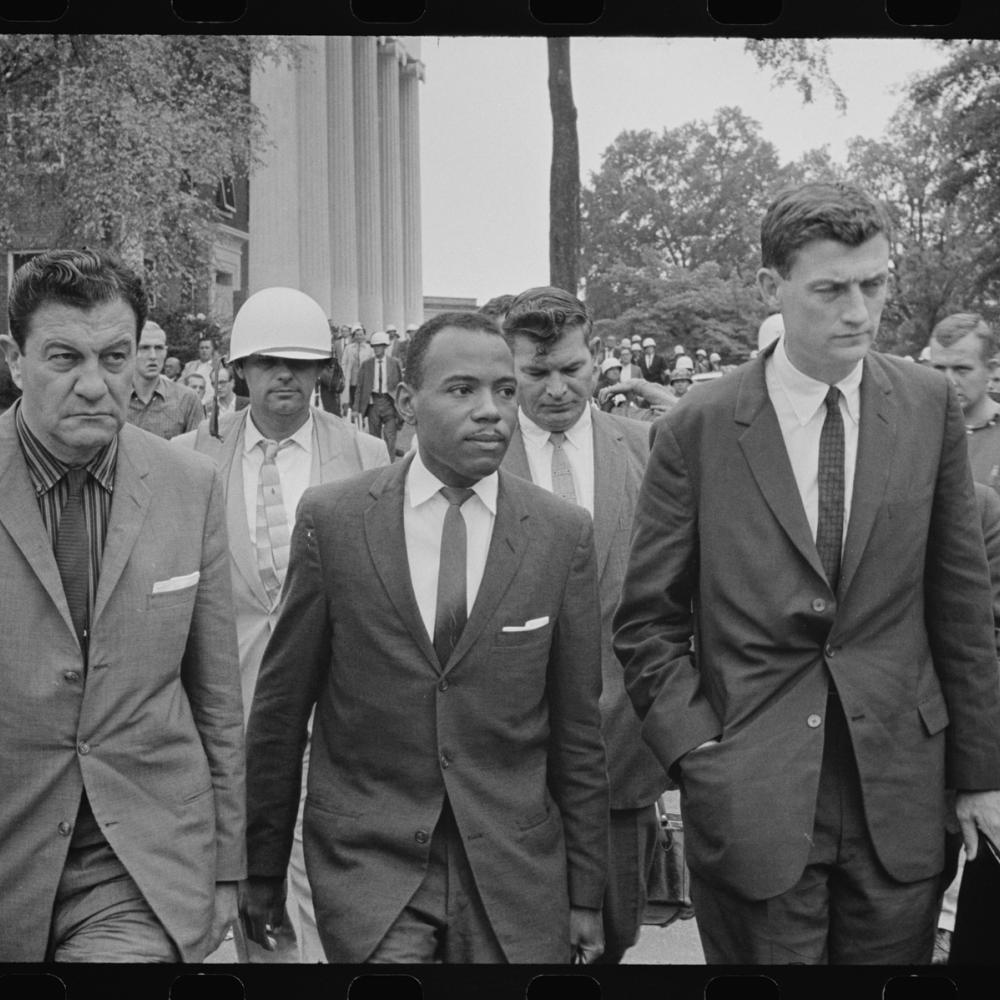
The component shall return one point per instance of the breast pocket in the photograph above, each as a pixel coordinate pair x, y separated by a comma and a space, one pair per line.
540, 636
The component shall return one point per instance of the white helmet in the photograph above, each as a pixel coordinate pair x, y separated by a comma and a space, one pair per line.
281, 323
771, 329
379, 338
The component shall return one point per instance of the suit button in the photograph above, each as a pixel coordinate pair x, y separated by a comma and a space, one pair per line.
445, 759
420, 836
83, 747
813, 721
71, 677
829, 650
443, 685
65, 828
819, 605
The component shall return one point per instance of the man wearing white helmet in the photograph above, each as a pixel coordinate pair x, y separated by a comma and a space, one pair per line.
269, 453
651, 364
377, 383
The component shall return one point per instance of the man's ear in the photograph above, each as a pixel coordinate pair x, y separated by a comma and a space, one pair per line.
404, 402
12, 354
769, 283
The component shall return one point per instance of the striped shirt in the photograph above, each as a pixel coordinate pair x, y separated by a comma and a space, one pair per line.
48, 477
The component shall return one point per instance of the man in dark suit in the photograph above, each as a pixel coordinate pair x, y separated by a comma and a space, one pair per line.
652, 365
595, 460
443, 620
121, 722
815, 511
377, 381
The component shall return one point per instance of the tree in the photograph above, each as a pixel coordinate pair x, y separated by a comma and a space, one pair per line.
564, 179
121, 136
689, 196
798, 62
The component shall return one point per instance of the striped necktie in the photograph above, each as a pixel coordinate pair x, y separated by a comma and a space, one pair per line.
562, 474
273, 533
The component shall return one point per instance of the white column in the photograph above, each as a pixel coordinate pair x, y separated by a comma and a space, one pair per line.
343, 212
409, 130
313, 164
391, 184
366, 176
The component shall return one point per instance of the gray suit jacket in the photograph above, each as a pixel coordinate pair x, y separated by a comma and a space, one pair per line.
508, 729
621, 448
154, 733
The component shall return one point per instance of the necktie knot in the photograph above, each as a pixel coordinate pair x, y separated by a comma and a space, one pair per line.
832, 397
557, 438
75, 479
271, 448
456, 495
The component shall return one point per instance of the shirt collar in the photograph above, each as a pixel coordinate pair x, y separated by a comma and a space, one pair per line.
577, 435
158, 389
806, 394
422, 485
302, 437
46, 470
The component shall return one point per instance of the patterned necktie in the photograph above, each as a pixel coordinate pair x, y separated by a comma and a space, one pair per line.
562, 474
73, 554
273, 533
830, 529
451, 611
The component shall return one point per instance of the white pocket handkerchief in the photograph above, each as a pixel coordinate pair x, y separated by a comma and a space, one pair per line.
528, 626
176, 583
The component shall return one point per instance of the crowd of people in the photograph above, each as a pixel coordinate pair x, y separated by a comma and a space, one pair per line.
270, 672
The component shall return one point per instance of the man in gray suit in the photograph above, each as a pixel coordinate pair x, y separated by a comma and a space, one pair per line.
595, 460
121, 736
442, 617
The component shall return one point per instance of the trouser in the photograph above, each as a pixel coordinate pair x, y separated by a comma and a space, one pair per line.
845, 908
634, 839
382, 423
445, 920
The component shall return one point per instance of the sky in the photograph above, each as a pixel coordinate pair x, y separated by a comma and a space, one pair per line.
486, 130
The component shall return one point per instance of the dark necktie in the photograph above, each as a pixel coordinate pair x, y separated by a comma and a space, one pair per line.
830, 529
381, 388
73, 554
449, 618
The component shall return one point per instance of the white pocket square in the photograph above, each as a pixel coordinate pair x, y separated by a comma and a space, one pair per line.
176, 583
528, 626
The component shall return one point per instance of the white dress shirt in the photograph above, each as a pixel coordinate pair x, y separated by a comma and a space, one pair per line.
800, 404
424, 509
294, 464
579, 449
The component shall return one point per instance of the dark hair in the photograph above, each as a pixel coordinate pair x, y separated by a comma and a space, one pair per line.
79, 278
958, 325
819, 211
474, 322
543, 314
207, 337
497, 307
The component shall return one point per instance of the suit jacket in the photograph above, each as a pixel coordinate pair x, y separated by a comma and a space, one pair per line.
508, 729
366, 381
655, 370
621, 448
340, 451
159, 710
907, 638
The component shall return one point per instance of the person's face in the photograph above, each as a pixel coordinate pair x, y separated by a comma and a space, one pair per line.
197, 383
831, 302
625, 356
279, 388
172, 368
962, 362
464, 411
681, 387
613, 375
358, 336
75, 373
554, 388
205, 350
224, 386
151, 353
379, 350
994, 385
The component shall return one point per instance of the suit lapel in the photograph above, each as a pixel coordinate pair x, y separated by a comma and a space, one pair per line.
763, 447
20, 516
876, 442
129, 508
507, 547
516, 459
610, 461
386, 541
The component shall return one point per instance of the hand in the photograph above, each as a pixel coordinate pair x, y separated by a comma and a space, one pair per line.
225, 912
978, 811
586, 934
262, 907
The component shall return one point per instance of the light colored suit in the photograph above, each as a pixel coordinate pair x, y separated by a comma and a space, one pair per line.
154, 733
508, 728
